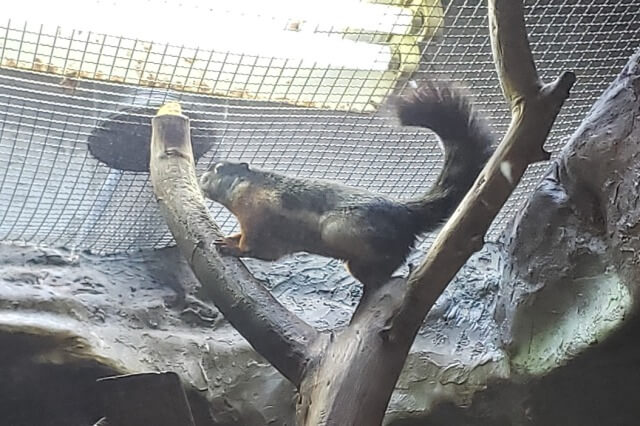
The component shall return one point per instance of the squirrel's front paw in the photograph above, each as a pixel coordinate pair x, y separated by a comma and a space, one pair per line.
228, 247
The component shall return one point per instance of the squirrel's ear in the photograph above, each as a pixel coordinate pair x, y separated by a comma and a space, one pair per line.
245, 165
215, 167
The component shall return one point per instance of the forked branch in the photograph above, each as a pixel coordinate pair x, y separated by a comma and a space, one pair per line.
362, 364
348, 379
534, 107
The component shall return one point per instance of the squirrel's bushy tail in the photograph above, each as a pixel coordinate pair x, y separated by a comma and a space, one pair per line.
466, 140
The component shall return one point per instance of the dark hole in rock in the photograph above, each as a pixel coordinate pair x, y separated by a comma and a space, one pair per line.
38, 387
50, 379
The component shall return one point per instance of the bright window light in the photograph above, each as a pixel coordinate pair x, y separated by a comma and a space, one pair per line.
337, 54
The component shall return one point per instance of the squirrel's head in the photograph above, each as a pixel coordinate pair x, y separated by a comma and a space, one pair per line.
223, 178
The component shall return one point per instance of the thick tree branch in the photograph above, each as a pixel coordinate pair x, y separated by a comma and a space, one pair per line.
511, 51
353, 382
534, 107
276, 333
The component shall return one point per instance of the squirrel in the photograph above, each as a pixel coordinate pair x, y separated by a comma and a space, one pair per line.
373, 234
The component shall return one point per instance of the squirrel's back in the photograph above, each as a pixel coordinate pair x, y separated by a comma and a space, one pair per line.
373, 233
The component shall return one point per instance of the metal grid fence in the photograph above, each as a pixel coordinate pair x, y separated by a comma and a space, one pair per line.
53, 192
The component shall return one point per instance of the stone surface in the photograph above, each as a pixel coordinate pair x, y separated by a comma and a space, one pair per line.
132, 315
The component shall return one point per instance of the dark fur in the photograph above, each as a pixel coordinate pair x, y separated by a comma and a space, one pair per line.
279, 215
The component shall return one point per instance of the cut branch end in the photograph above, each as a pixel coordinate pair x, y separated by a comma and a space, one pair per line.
274, 331
559, 89
170, 108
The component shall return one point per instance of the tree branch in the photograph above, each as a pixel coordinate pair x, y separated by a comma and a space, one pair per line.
534, 107
354, 380
511, 50
348, 379
275, 332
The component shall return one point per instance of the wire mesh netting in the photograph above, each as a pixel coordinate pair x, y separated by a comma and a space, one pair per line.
309, 117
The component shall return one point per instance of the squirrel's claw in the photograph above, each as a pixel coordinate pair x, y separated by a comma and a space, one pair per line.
228, 247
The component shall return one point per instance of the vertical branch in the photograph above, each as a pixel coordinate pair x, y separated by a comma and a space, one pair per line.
534, 107
362, 364
508, 34
275, 332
